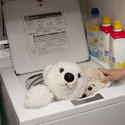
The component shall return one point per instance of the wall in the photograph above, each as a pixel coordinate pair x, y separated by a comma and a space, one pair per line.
1, 25
84, 5
113, 8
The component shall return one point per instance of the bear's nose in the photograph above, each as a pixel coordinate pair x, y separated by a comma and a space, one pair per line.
84, 95
69, 77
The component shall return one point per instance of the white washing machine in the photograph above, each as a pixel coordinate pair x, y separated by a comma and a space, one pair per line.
41, 32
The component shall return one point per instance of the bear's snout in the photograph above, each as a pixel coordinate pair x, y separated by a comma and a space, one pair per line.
69, 77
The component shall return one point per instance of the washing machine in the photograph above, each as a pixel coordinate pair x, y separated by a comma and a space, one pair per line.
43, 32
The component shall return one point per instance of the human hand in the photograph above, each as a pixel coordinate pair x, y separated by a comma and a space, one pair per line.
112, 74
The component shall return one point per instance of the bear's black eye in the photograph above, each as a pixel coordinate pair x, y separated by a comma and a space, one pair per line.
61, 70
90, 88
79, 75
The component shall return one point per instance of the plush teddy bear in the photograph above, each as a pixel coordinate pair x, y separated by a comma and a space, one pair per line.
64, 80
94, 84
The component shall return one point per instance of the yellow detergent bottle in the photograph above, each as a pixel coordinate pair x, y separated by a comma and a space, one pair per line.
118, 46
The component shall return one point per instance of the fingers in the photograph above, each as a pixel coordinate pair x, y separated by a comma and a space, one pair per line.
105, 71
106, 79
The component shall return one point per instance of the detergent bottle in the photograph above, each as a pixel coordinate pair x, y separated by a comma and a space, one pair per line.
92, 29
104, 39
118, 46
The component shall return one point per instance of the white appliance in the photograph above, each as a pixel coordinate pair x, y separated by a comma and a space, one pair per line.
41, 32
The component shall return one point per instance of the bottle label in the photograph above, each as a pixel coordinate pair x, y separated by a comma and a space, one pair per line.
104, 47
117, 53
93, 28
92, 38
119, 65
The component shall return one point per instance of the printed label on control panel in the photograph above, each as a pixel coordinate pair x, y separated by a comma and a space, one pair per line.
46, 33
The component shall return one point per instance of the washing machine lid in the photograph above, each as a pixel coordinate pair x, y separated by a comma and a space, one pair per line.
41, 33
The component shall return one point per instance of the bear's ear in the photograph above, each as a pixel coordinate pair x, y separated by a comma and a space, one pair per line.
46, 70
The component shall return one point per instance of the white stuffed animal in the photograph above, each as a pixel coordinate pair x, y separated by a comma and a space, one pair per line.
94, 84
64, 80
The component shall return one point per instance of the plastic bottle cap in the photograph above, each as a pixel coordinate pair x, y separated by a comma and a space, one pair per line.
106, 20
95, 11
117, 25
